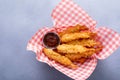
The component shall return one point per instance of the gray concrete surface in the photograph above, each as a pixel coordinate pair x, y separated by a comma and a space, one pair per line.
20, 19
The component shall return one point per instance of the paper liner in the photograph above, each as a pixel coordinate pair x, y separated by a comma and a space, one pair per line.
109, 39
67, 13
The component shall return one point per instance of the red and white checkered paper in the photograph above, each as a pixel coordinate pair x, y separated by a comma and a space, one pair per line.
66, 14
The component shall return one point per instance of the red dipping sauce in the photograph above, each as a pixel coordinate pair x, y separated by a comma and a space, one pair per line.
51, 40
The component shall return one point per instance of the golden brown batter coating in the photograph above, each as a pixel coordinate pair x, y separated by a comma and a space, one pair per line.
59, 58
73, 29
66, 48
84, 42
81, 60
77, 45
76, 35
74, 57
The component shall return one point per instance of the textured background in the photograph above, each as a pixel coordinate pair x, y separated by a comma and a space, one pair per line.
20, 19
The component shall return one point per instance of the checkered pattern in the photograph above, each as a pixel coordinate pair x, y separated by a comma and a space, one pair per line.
110, 40
65, 14
68, 13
